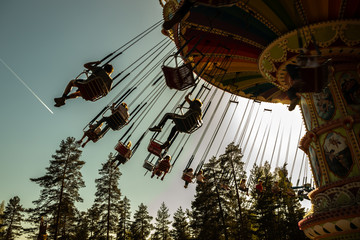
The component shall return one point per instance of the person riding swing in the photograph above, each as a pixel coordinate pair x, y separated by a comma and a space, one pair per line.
123, 110
102, 72
188, 176
121, 157
194, 109
93, 134
162, 167
200, 177
259, 187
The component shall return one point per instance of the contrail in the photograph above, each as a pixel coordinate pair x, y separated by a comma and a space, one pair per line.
7, 66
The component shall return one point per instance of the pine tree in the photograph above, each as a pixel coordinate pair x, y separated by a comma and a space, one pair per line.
124, 222
162, 231
81, 228
95, 229
13, 215
108, 195
275, 215
181, 229
236, 205
60, 189
207, 209
263, 204
219, 208
141, 226
290, 211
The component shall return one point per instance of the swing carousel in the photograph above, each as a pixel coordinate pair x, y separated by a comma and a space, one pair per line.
244, 46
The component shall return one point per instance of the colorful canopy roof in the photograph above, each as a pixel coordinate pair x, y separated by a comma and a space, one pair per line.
241, 47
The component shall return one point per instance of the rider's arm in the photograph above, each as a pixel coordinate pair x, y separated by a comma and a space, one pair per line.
187, 99
91, 65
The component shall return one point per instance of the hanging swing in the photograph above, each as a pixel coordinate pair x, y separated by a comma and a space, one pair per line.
99, 84
92, 133
164, 166
179, 77
148, 165
154, 147
187, 177
124, 153
116, 120
92, 136
95, 87
184, 124
188, 124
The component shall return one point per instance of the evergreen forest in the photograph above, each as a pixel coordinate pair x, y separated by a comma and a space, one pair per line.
222, 207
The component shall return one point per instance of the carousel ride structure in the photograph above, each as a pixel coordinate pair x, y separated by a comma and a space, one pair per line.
243, 47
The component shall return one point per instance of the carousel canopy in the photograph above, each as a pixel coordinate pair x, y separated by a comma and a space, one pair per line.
243, 46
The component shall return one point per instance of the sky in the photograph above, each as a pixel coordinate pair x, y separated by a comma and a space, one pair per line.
44, 44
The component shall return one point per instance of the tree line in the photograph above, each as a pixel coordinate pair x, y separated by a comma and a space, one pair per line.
223, 206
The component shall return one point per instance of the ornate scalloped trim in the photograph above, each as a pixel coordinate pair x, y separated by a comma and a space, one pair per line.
342, 32
338, 25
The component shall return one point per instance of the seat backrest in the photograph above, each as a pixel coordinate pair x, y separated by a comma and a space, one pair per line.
179, 78
115, 121
122, 149
92, 135
186, 177
154, 147
93, 89
189, 123
107, 80
148, 165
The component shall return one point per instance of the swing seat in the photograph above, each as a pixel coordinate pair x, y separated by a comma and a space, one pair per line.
187, 178
93, 89
122, 149
188, 124
179, 78
92, 135
155, 147
315, 78
115, 121
148, 165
